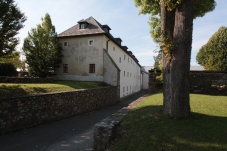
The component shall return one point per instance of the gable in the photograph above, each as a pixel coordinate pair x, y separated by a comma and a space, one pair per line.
92, 27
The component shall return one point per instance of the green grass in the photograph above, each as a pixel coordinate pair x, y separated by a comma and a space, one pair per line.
16, 89
146, 129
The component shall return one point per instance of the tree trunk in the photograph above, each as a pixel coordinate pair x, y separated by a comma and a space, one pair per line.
167, 27
176, 71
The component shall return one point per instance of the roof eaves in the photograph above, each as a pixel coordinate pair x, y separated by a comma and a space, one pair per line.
122, 47
80, 35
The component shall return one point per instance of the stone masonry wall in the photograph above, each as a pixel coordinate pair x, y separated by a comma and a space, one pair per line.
208, 82
24, 112
205, 82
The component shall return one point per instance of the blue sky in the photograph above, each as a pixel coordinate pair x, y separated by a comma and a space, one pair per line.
122, 17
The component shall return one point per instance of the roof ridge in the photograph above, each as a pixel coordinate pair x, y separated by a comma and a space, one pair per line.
96, 21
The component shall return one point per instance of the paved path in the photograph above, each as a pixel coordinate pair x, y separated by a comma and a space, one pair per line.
72, 134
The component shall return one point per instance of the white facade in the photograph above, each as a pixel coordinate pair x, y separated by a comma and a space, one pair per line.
78, 55
130, 70
92, 54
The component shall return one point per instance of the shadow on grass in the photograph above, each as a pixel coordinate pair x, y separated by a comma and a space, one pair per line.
148, 129
18, 91
11, 91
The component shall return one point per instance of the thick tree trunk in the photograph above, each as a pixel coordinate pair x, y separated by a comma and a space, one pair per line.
176, 71
167, 27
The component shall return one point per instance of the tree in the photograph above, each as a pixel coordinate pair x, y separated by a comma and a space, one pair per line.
157, 60
175, 39
13, 58
11, 21
8, 69
213, 55
42, 49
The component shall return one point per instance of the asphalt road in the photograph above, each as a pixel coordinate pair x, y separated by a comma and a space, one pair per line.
71, 134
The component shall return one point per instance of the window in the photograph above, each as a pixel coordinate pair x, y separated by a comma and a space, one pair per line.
90, 42
65, 68
119, 59
65, 44
127, 74
92, 68
124, 57
123, 89
128, 59
124, 73
82, 26
113, 48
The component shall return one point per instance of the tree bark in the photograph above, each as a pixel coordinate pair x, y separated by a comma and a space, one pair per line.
167, 28
176, 71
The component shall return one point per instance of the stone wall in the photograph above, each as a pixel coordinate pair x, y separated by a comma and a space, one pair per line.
24, 112
205, 82
208, 82
25, 80
106, 130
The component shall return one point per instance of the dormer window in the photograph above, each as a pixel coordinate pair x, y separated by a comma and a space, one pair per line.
106, 28
83, 24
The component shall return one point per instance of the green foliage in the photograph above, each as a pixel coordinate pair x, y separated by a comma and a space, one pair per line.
13, 58
213, 55
158, 60
202, 7
152, 7
171, 4
42, 49
11, 21
8, 69
156, 81
145, 128
148, 6
155, 24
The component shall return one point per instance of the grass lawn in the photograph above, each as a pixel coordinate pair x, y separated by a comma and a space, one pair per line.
17, 89
146, 129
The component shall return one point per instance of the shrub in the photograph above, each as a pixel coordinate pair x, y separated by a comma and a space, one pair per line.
8, 69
